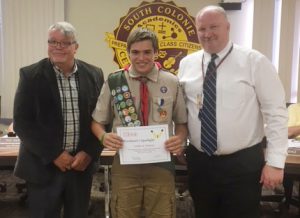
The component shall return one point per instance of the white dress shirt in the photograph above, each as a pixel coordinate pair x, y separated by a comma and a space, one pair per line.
250, 101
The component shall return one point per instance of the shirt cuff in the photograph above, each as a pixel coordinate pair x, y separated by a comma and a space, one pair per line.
276, 160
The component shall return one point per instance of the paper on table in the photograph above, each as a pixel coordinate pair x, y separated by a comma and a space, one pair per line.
293, 147
294, 143
9, 143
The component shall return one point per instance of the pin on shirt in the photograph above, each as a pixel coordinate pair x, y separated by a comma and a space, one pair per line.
160, 102
163, 89
161, 111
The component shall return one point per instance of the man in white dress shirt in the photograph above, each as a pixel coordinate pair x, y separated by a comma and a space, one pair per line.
249, 94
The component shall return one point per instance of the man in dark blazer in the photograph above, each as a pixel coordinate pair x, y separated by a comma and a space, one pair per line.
52, 116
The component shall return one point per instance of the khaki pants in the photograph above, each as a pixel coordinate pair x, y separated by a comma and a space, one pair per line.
142, 187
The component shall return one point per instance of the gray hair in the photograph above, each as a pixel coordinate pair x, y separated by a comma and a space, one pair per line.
212, 8
66, 28
141, 34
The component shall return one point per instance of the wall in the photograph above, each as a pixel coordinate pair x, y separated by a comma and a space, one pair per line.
25, 25
286, 45
26, 37
96, 17
252, 26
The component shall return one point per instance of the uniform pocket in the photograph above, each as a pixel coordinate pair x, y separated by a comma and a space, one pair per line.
162, 109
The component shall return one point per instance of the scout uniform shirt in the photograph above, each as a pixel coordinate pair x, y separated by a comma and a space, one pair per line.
166, 102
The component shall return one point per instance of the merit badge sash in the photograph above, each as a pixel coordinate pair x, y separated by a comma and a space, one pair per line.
122, 99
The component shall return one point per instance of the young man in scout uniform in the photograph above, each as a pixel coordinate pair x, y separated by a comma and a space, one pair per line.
140, 95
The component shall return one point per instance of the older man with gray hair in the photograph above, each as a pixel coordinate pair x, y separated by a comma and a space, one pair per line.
52, 116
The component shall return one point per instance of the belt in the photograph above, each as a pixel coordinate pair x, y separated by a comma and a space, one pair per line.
252, 149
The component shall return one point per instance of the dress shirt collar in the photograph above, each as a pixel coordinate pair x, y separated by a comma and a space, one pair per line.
221, 54
58, 71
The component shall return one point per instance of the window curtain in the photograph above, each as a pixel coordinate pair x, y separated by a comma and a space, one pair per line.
24, 41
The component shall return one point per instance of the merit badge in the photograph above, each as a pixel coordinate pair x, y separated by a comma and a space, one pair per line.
122, 104
134, 116
125, 112
124, 88
130, 124
116, 99
137, 123
129, 102
163, 89
126, 94
127, 119
120, 97
131, 110
118, 89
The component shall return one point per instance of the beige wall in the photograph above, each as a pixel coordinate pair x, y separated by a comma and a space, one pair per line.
263, 36
25, 34
95, 17
286, 45
263, 26
24, 26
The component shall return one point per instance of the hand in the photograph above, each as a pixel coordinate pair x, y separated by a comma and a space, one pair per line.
271, 177
81, 161
112, 141
174, 145
182, 159
293, 131
64, 161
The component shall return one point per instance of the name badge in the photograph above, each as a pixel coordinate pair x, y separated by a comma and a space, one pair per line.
199, 100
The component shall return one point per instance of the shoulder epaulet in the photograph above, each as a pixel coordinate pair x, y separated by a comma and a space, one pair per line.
115, 72
118, 70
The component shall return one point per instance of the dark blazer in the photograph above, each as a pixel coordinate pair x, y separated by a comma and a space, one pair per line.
38, 118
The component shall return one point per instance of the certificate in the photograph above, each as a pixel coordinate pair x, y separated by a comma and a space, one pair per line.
144, 144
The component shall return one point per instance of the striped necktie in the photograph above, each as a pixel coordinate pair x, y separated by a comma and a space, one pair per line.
207, 113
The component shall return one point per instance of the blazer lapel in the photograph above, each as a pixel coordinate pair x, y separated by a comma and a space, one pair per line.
51, 77
83, 91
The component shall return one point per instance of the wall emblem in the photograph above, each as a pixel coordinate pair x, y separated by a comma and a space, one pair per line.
173, 25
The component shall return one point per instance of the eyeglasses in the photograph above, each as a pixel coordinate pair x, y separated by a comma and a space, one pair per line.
53, 43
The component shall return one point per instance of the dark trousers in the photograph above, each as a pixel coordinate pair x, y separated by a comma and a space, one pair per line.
70, 190
226, 186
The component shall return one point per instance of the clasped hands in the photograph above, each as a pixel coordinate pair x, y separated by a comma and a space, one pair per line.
79, 162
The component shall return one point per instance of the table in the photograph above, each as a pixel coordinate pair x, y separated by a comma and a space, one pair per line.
291, 174
9, 148
292, 167
8, 152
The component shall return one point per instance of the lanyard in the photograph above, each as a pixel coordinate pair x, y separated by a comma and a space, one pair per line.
219, 62
199, 98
